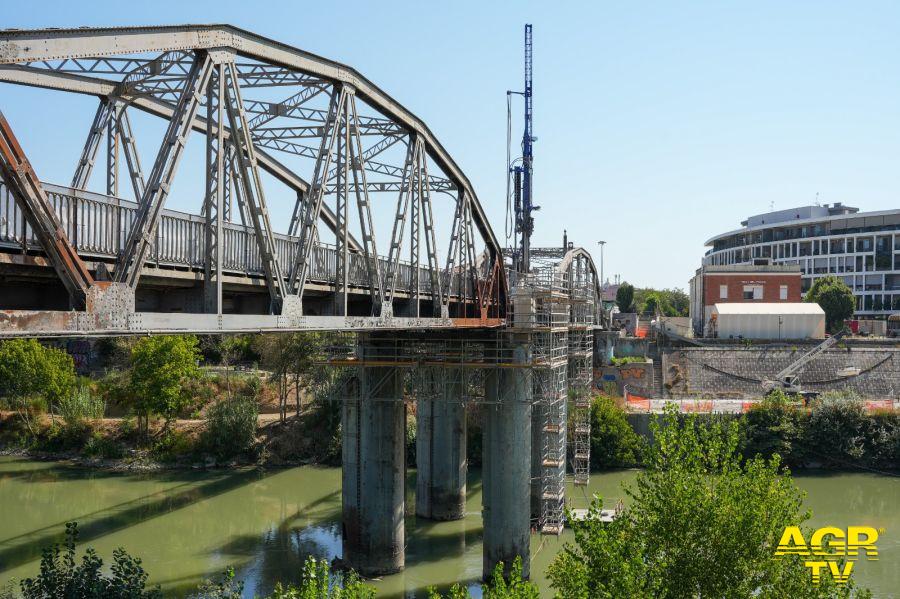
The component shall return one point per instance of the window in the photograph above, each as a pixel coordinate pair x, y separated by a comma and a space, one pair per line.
782, 292
753, 292
723, 291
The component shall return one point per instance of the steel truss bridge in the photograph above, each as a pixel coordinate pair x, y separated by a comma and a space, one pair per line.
78, 262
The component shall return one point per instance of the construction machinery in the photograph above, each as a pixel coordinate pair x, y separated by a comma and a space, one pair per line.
787, 379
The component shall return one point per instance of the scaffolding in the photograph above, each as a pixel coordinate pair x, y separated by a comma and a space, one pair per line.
541, 309
581, 369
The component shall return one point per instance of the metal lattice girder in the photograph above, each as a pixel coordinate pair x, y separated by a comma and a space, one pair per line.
105, 113
20, 47
129, 148
251, 186
130, 263
313, 206
267, 111
364, 207
26, 188
156, 107
217, 156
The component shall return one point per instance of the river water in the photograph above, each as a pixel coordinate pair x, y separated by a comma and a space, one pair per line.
190, 525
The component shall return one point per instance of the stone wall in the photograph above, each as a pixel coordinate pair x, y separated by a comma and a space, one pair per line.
720, 372
637, 376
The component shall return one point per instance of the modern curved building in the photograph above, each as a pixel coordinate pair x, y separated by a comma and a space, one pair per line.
861, 247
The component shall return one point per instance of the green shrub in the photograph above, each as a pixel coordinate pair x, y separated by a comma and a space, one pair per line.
614, 444
775, 426
318, 582
171, 445
81, 405
61, 576
838, 430
226, 587
884, 441
515, 587
100, 446
231, 427
628, 360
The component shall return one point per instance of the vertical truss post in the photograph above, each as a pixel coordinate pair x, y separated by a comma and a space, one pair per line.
112, 152
415, 209
214, 206
143, 230
25, 187
252, 189
452, 251
423, 189
342, 192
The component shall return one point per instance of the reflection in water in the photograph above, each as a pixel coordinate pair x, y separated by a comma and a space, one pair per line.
190, 525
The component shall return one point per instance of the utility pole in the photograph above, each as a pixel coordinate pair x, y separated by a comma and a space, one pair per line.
602, 280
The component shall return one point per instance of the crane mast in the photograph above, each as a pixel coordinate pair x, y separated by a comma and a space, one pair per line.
522, 175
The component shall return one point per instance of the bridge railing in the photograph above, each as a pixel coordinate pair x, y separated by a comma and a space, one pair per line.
98, 226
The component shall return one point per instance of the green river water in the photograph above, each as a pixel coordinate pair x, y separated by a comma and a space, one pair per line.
190, 525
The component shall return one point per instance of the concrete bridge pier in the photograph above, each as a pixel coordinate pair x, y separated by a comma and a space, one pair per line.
373, 422
507, 462
441, 447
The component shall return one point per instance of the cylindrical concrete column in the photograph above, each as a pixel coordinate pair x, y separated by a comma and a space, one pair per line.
507, 465
441, 448
373, 470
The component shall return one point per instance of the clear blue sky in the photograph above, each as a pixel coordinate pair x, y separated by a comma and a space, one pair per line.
658, 124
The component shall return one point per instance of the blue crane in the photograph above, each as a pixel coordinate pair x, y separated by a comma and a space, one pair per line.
522, 173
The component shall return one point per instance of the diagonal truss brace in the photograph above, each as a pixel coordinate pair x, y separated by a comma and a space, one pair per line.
131, 260
26, 188
249, 185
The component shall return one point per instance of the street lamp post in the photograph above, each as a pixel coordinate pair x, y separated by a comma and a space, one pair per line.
602, 280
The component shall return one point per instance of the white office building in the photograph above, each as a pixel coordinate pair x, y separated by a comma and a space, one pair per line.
863, 248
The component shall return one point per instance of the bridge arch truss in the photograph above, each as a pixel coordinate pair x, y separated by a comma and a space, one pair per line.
385, 229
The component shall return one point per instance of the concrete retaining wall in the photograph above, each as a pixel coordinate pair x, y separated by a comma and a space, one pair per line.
739, 372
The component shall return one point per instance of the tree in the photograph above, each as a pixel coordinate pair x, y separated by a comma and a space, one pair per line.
835, 298
29, 370
159, 368
625, 298
701, 522
614, 444
515, 587
292, 359
66, 578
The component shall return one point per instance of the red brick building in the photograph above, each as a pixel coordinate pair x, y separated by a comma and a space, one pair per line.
768, 283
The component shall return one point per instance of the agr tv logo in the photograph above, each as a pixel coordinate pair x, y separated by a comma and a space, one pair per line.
829, 545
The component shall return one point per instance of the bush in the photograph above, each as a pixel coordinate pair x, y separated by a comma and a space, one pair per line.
100, 446
838, 429
775, 426
231, 427
318, 582
61, 576
171, 445
81, 405
614, 444
498, 587
224, 588
628, 360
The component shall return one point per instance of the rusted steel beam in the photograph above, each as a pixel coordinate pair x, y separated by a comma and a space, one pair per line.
26, 188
